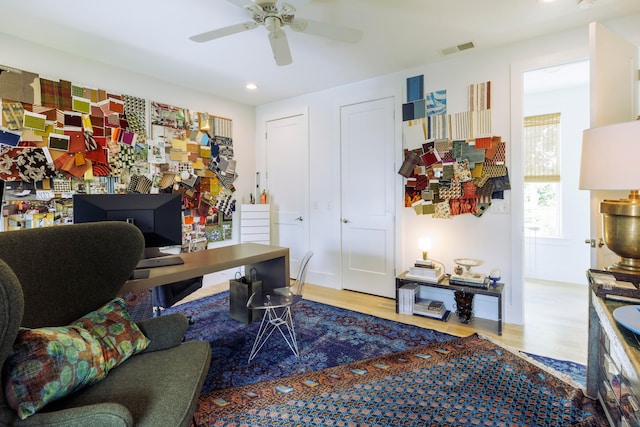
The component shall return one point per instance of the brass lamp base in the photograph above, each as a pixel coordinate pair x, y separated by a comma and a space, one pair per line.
621, 230
625, 265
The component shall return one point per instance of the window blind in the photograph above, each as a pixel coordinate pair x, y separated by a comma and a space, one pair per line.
542, 148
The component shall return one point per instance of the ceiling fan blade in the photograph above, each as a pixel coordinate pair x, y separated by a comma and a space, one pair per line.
297, 4
280, 47
322, 29
242, 3
225, 31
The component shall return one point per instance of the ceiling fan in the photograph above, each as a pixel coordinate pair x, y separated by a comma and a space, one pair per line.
275, 15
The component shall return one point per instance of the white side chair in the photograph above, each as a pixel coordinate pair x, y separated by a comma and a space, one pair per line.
277, 304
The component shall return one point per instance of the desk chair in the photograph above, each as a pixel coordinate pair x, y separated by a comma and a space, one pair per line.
277, 305
166, 296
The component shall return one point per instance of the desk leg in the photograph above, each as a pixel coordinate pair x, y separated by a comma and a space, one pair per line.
398, 286
500, 314
274, 273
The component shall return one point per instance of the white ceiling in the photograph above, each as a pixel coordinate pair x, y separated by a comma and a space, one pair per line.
152, 37
554, 77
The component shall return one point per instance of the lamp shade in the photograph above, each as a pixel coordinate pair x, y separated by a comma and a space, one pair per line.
424, 243
610, 157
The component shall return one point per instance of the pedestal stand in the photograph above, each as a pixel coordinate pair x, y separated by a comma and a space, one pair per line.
464, 306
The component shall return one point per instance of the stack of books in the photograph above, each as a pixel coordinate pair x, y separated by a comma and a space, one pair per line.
407, 295
618, 286
425, 271
475, 280
425, 263
431, 308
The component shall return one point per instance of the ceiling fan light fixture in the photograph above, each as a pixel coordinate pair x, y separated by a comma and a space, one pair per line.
273, 24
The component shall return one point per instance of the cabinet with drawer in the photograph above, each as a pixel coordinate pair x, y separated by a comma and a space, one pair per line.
613, 363
255, 224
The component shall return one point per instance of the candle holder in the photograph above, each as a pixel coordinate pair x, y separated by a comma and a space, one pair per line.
494, 276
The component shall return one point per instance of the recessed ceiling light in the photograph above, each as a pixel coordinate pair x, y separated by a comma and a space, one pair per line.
251, 86
545, 1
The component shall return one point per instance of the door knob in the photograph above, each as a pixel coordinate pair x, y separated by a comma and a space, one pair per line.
592, 242
299, 218
345, 220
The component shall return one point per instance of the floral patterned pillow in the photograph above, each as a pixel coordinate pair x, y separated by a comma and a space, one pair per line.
119, 337
47, 364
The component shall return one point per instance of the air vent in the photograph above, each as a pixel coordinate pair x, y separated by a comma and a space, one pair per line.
458, 48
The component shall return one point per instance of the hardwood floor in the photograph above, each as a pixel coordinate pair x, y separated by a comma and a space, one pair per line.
556, 317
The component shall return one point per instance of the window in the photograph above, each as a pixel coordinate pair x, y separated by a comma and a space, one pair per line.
543, 203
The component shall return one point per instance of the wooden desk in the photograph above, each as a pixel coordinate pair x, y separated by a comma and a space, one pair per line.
271, 264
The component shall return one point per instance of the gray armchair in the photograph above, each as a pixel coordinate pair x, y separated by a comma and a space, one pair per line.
53, 276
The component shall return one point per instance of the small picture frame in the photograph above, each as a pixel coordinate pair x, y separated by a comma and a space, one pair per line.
415, 88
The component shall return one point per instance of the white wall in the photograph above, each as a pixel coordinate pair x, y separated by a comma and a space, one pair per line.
495, 238
56, 65
487, 238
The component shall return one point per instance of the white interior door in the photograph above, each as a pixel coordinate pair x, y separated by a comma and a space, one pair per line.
614, 64
367, 199
287, 184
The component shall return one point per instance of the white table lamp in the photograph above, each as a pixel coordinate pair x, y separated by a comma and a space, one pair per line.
610, 157
424, 243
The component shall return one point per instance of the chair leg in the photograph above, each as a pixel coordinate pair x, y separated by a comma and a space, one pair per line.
157, 312
272, 321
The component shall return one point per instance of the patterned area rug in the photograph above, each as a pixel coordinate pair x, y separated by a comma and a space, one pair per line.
577, 371
460, 382
327, 336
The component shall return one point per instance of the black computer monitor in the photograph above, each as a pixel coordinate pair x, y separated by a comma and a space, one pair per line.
158, 216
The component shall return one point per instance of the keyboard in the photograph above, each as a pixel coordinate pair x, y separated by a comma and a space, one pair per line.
159, 262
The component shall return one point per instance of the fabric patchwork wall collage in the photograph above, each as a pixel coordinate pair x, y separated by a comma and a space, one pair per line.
58, 138
453, 164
